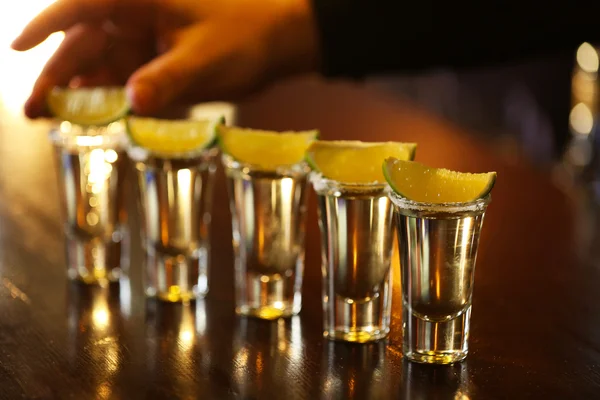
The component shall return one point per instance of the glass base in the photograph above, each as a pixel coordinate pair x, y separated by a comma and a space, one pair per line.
174, 296
100, 277
361, 336
94, 262
358, 321
176, 279
435, 342
269, 312
268, 296
436, 357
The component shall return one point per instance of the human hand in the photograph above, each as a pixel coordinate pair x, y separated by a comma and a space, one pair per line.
170, 52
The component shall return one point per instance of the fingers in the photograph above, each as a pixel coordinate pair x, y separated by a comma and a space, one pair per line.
163, 80
60, 16
208, 62
158, 83
83, 48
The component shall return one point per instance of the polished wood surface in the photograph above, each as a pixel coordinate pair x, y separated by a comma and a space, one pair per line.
536, 319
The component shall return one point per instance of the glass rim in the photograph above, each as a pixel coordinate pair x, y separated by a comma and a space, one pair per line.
89, 136
141, 154
231, 162
322, 184
316, 176
478, 205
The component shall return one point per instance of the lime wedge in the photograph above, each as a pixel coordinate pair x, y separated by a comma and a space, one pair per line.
351, 161
265, 149
418, 182
88, 106
172, 137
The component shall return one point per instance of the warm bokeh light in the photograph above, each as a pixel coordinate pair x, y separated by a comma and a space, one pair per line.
581, 119
19, 70
587, 58
100, 314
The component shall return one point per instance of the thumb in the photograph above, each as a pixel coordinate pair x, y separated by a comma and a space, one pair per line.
163, 80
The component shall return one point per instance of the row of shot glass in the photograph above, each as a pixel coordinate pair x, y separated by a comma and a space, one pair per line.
358, 222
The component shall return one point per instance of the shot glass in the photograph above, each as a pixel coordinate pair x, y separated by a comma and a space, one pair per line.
91, 166
268, 221
175, 197
357, 229
438, 249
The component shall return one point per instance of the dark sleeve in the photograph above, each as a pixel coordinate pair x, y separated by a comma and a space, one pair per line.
364, 37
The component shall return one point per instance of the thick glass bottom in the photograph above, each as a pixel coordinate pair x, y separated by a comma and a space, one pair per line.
93, 261
436, 357
174, 296
359, 336
100, 276
357, 320
283, 310
436, 342
175, 279
269, 296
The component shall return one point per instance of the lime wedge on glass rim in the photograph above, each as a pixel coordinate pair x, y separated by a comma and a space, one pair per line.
265, 149
172, 137
94, 106
352, 161
418, 182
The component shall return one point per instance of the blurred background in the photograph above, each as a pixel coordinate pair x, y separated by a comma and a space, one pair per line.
542, 109
19, 70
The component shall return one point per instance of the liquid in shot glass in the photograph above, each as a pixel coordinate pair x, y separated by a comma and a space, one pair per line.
267, 182
357, 234
91, 166
357, 226
175, 166
89, 148
438, 237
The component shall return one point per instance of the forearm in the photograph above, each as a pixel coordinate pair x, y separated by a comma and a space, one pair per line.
364, 37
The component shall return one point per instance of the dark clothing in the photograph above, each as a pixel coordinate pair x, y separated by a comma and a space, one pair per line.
366, 37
